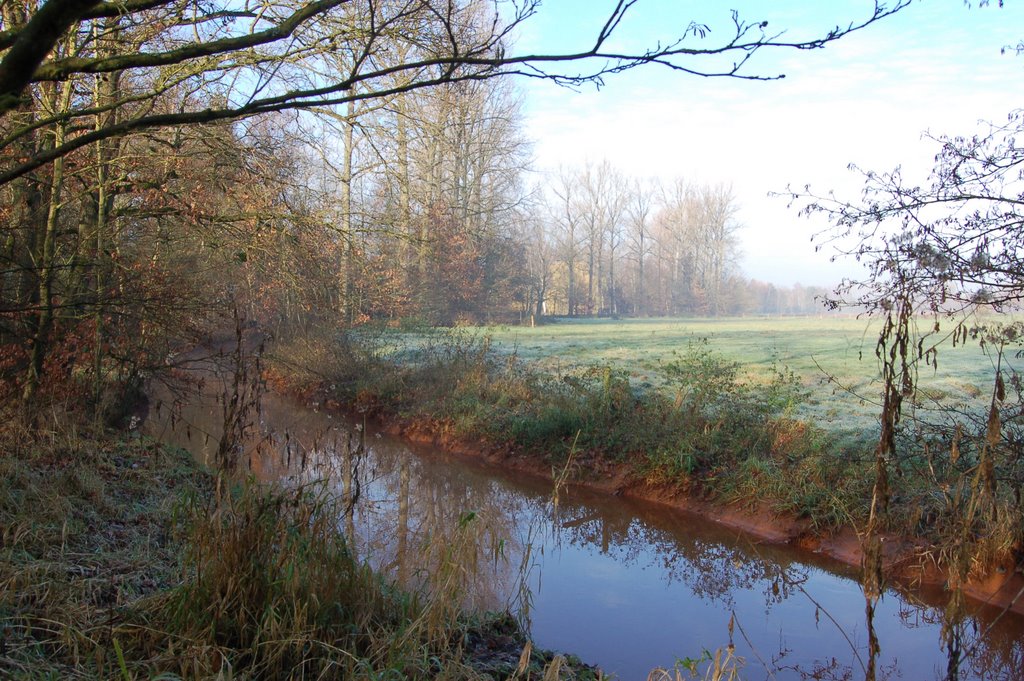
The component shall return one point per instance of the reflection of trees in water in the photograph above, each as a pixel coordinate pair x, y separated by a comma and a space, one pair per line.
978, 643
833, 670
985, 651
188, 413
707, 566
712, 570
974, 648
411, 510
972, 652
413, 517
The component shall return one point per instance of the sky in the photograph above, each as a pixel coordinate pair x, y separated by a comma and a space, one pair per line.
866, 99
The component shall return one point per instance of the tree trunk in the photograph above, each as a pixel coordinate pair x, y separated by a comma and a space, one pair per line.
46, 264
107, 89
348, 236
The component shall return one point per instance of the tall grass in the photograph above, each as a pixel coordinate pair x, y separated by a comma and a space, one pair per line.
123, 560
713, 430
85, 540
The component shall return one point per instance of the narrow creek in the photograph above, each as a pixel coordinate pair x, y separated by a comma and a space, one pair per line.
625, 585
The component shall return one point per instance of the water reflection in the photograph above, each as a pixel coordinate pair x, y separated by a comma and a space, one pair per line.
625, 585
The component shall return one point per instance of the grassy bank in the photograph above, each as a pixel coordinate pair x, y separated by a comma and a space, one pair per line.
122, 559
710, 428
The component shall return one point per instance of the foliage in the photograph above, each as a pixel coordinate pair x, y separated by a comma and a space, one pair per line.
736, 419
163, 160
124, 560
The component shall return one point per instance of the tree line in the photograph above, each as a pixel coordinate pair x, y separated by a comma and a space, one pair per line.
163, 162
603, 243
429, 202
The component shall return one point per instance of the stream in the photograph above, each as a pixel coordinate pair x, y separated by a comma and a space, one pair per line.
625, 585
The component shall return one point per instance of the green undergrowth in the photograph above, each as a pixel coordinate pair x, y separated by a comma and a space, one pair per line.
121, 559
710, 430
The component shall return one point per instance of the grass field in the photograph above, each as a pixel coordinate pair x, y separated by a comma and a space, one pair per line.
833, 356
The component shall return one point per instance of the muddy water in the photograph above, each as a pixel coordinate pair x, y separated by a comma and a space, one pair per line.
624, 585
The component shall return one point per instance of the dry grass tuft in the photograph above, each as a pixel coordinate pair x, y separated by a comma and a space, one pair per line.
123, 560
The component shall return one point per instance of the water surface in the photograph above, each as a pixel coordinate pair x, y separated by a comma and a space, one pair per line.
625, 585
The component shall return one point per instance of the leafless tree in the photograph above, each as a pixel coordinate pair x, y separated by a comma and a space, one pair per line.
639, 208
569, 233
264, 57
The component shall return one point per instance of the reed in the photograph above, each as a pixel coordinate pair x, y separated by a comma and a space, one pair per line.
124, 560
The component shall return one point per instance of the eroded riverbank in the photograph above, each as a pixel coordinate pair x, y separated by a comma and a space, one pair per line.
624, 583
790, 487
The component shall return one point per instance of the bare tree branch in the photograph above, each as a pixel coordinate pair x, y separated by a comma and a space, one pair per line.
32, 43
298, 75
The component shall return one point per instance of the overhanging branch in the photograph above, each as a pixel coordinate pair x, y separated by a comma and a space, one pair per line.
461, 58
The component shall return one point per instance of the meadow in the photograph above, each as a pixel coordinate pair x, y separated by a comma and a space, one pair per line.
833, 356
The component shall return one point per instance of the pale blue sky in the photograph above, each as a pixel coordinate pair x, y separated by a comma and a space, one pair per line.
865, 99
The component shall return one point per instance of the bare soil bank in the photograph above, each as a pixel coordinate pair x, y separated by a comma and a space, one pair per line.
906, 558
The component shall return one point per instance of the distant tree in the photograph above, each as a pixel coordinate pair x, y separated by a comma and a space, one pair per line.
540, 254
676, 230
639, 208
715, 244
615, 203
697, 225
738, 296
600, 204
570, 236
